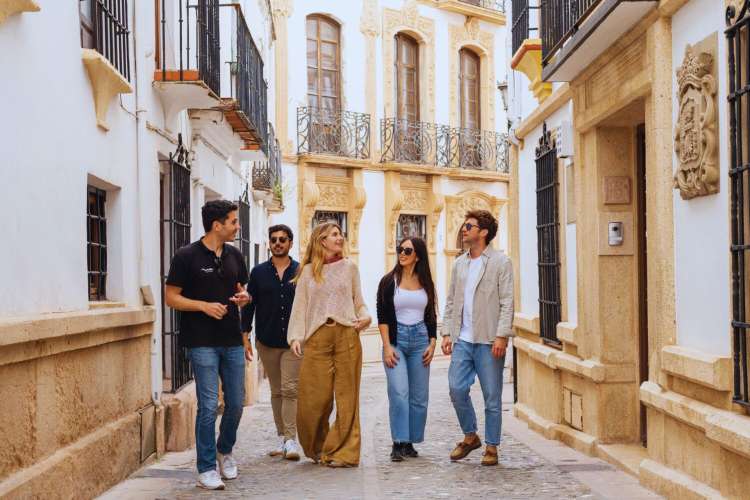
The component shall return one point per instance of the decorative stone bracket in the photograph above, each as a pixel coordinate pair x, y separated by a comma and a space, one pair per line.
695, 135
528, 60
10, 7
106, 82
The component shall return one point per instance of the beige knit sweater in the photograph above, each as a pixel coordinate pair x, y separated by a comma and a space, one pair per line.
338, 296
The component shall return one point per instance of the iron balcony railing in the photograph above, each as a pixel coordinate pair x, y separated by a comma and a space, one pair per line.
437, 145
267, 174
560, 19
333, 132
192, 31
523, 22
498, 5
110, 32
250, 88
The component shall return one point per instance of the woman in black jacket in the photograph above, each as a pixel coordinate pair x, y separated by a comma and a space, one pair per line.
407, 319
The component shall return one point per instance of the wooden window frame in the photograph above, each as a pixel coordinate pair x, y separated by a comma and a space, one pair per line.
319, 70
462, 96
397, 65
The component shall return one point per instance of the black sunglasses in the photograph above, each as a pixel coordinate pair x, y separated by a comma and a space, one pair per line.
404, 250
280, 239
219, 267
469, 226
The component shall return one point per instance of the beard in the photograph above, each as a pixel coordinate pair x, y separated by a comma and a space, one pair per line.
279, 252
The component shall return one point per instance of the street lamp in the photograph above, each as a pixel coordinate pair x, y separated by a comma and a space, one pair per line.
503, 88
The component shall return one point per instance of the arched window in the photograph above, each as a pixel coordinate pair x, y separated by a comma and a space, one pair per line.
323, 63
407, 78
469, 89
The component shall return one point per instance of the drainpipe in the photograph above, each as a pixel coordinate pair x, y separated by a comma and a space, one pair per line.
141, 163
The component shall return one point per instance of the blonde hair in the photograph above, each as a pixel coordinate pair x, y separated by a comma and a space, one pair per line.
315, 253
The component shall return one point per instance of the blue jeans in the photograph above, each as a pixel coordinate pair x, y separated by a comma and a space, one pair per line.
409, 385
467, 362
209, 364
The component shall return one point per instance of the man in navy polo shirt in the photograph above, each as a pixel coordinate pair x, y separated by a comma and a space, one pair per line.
206, 283
272, 294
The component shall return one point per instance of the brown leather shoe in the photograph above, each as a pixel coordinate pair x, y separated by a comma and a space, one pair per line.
490, 456
463, 448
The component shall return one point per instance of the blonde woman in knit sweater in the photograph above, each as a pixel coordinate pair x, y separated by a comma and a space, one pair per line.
327, 315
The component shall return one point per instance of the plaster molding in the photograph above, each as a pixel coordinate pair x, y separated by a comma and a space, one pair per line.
11, 7
409, 21
528, 60
482, 42
695, 134
106, 83
368, 22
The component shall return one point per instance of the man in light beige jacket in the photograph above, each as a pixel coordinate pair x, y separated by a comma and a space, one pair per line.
476, 328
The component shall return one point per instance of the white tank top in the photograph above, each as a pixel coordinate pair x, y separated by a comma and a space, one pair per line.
410, 305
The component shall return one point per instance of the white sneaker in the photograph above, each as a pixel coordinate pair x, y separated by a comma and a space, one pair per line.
227, 466
210, 480
291, 450
279, 450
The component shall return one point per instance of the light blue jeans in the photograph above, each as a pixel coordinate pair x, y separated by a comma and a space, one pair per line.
209, 364
409, 385
467, 362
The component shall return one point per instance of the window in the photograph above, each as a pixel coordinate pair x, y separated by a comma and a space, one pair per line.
96, 237
407, 78
738, 38
411, 225
338, 217
323, 63
547, 227
469, 89
104, 27
243, 235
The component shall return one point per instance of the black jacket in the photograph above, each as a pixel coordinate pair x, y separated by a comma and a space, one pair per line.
387, 311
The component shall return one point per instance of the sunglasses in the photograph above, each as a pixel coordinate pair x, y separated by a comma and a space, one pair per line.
404, 250
219, 267
280, 239
469, 226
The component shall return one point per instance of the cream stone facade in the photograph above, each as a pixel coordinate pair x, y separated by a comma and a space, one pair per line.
357, 172
637, 365
125, 143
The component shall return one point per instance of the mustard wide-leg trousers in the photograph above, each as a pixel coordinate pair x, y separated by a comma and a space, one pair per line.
331, 368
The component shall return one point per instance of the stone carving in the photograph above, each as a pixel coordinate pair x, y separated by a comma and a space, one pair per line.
695, 134
334, 196
415, 200
368, 22
616, 190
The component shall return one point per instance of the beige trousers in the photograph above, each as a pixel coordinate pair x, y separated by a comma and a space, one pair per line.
331, 369
282, 368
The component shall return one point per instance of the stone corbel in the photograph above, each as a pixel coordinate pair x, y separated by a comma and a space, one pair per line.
528, 60
394, 201
106, 82
357, 205
11, 7
309, 194
436, 206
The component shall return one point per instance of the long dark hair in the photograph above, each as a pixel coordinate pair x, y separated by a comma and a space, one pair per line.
421, 269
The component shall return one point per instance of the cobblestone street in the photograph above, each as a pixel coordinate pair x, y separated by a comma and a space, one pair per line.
530, 466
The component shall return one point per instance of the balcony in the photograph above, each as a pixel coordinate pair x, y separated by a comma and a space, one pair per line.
488, 10
576, 32
527, 47
441, 146
267, 178
333, 132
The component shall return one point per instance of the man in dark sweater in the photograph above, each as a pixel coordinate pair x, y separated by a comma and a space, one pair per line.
206, 283
272, 295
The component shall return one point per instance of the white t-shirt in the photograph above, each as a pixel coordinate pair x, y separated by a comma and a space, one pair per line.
472, 280
410, 305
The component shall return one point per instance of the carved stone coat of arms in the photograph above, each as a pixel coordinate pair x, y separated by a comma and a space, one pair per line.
695, 134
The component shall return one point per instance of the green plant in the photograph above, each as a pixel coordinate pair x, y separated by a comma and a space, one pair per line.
278, 191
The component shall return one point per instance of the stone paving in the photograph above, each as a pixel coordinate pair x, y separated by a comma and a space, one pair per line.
522, 473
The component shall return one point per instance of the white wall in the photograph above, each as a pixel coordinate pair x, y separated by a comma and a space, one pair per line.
702, 258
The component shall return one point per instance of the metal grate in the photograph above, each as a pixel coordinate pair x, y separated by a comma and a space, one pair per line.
521, 24
333, 132
339, 218
411, 225
243, 236
104, 27
560, 20
175, 235
251, 89
496, 5
738, 43
96, 246
547, 236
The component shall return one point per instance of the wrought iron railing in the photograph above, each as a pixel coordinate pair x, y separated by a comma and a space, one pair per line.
267, 174
110, 32
432, 144
560, 19
522, 22
250, 88
498, 5
333, 132
195, 27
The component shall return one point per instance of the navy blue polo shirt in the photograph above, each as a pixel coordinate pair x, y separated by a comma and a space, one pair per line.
271, 304
196, 269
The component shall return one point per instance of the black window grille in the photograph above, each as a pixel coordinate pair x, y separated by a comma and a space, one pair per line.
411, 225
327, 216
522, 25
547, 236
560, 20
738, 44
104, 27
96, 237
243, 236
256, 257
175, 234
